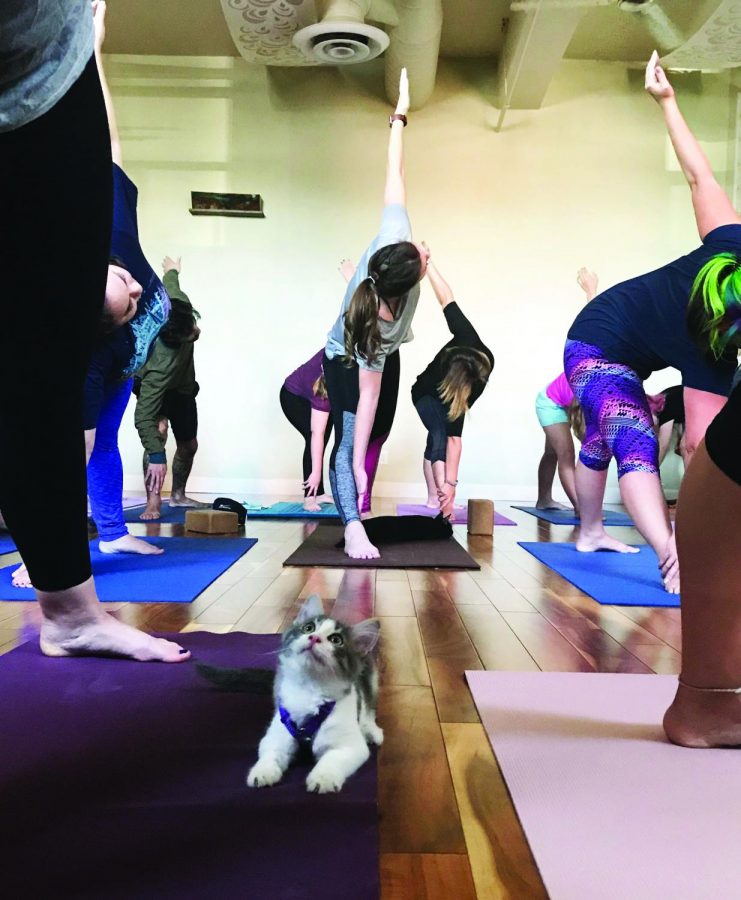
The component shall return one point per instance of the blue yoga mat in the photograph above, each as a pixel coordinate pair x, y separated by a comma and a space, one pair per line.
169, 515
186, 568
567, 517
618, 579
7, 544
286, 510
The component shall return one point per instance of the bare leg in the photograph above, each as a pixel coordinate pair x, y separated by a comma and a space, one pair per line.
182, 465
665, 439
559, 436
432, 500
590, 490
644, 500
546, 474
709, 542
153, 508
75, 624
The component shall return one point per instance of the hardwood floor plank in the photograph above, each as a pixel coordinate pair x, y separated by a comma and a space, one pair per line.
426, 876
548, 647
497, 645
355, 596
659, 658
504, 597
415, 792
401, 654
501, 861
393, 598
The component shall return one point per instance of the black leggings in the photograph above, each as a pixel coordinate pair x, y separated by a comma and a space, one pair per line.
55, 183
434, 417
344, 392
298, 412
723, 437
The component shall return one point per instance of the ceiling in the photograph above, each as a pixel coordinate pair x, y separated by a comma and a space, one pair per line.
471, 28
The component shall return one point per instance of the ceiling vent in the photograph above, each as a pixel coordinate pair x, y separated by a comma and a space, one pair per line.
340, 43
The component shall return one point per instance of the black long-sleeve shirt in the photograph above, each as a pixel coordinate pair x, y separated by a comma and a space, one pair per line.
464, 336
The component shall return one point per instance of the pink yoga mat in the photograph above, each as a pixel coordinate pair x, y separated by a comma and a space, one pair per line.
461, 513
612, 810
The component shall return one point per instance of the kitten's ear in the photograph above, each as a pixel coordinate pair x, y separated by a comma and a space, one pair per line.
365, 635
311, 609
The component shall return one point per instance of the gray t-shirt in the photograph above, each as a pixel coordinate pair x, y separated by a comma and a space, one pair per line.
44, 46
395, 227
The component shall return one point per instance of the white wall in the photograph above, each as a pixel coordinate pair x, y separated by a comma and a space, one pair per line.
588, 179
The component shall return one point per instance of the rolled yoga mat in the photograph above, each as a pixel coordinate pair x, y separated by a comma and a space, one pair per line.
186, 568
131, 777
287, 510
461, 513
609, 807
618, 579
320, 549
567, 517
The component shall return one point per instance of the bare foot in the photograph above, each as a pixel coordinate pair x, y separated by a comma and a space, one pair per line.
188, 502
432, 503
20, 577
357, 545
588, 543
129, 544
550, 504
704, 719
324, 498
102, 635
151, 512
312, 506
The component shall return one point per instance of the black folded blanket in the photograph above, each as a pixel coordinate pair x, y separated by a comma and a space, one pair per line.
401, 529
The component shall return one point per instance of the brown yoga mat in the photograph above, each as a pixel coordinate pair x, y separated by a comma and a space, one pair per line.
319, 550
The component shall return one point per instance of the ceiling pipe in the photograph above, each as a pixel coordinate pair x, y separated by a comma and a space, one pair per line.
415, 44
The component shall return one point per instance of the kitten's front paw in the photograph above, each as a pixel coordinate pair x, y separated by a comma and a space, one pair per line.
324, 782
264, 773
374, 734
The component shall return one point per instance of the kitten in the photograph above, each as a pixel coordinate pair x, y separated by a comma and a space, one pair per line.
325, 691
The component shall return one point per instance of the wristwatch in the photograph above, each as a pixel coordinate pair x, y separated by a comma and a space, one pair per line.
401, 118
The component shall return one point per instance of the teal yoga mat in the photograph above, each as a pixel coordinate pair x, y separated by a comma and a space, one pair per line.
287, 510
186, 568
616, 579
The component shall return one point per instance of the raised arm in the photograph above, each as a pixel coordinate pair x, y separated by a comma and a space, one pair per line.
713, 207
440, 286
99, 11
395, 190
588, 282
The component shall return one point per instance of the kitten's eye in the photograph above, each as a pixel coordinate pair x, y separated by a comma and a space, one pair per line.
307, 628
335, 639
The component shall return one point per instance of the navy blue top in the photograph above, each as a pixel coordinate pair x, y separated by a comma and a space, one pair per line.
154, 304
642, 322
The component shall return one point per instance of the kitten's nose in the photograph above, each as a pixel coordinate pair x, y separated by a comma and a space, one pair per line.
314, 639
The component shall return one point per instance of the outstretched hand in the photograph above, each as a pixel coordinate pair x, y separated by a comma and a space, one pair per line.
657, 84
347, 269
402, 105
168, 263
99, 10
587, 281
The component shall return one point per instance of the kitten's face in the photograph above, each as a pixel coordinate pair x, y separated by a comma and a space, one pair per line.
323, 644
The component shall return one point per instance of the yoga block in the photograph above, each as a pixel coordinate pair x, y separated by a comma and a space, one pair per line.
480, 517
211, 521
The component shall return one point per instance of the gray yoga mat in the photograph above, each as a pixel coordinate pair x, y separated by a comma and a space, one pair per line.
319, 550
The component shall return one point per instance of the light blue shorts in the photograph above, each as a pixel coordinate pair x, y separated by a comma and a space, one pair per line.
548, 411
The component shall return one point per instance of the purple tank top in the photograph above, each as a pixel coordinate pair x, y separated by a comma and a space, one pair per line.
301, 382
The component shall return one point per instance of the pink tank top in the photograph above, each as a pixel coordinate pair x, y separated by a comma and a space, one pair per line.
559, 391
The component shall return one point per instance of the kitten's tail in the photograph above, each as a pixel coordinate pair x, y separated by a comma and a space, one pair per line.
254, 681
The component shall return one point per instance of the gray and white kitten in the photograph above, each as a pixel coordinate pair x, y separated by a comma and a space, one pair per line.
322, 662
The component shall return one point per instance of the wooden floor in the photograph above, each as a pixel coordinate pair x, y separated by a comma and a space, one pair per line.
447, 826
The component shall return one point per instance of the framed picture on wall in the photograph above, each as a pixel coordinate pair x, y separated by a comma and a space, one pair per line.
207, 203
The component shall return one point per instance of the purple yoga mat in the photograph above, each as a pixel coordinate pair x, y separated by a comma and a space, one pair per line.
127, 780
461, 513
610, 808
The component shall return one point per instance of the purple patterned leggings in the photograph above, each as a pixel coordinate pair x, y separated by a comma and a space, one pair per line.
616, 413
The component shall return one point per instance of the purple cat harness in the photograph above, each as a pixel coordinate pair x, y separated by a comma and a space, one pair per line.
306, 731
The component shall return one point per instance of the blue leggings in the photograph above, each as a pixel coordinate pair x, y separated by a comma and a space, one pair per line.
618, 419
105, 469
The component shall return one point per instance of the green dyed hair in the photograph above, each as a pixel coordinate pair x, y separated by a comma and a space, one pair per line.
714, 310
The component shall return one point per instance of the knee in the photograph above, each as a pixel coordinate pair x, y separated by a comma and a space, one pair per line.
188, 449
